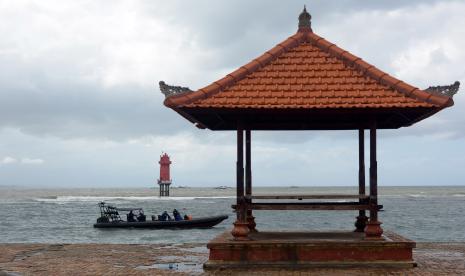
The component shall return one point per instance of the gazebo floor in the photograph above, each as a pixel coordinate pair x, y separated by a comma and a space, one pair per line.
309, 249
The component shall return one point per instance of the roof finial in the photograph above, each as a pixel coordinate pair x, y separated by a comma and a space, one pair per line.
304, 20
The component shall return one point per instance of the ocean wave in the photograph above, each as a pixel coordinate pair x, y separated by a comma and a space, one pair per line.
419, 195
63, 199
434, 195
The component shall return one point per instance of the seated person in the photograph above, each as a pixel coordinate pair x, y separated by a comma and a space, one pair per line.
164, 216
186, 217
153, 218
141, 217
131, 217
176, 215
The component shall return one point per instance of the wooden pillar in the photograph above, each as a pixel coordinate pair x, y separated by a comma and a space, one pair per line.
362, 218
240, 230
240, 174
248, 180
373, 229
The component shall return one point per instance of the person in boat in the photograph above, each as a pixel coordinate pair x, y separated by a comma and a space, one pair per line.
164, 217
131, 217
187, 217
141, 217
176, 215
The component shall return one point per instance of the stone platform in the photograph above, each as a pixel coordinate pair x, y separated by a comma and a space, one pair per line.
309, 249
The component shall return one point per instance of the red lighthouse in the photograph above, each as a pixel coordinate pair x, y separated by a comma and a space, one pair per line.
164, 181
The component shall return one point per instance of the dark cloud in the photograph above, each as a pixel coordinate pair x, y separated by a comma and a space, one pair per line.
78, 89
39, 104
84, 111
244, 29
55, 94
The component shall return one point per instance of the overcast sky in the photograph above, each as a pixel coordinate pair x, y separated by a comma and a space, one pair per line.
80, 104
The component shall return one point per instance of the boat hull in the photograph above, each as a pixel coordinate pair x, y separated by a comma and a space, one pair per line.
204, 222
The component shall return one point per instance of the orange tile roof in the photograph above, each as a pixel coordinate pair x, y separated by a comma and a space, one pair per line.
307, 72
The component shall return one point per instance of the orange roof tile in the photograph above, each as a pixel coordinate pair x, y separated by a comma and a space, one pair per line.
308, 72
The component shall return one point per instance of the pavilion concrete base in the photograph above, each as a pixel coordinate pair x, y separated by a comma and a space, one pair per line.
309, 249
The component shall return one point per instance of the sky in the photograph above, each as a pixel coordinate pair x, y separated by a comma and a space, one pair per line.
80, 104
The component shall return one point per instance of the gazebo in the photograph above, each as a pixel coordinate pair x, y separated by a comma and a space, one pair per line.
307, 83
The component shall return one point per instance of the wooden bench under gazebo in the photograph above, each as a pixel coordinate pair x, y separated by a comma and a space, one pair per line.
307, 83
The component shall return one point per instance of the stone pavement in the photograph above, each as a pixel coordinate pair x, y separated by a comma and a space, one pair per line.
187, 259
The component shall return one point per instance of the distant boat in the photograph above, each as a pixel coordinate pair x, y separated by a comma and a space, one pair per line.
222, 188
294, 187
203, 222
181, 187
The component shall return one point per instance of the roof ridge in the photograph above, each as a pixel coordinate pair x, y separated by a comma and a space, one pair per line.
376, 74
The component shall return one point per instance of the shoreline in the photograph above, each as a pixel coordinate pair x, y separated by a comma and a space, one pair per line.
433, 258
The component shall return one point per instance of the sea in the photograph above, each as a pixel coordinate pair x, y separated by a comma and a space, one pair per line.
424, 214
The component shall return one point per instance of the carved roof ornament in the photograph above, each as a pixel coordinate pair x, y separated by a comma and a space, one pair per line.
444, 90
170, 90
305, 20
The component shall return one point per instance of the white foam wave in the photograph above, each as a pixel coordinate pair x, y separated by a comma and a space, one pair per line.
435, 195
61, 199
417, 195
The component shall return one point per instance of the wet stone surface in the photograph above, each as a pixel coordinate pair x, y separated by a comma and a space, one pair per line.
187, 259
190, 268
